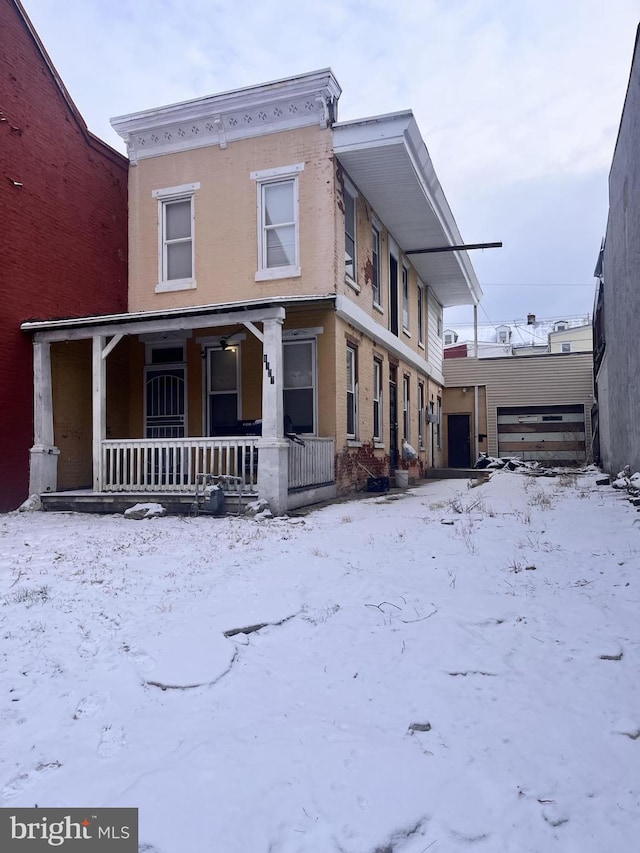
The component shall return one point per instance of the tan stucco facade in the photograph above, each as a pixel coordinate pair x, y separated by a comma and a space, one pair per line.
226, 219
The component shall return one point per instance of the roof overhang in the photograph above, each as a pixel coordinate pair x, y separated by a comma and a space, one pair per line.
198, 316
387, 160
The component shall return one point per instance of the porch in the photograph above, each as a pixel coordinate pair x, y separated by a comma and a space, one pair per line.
187, 394
165, 471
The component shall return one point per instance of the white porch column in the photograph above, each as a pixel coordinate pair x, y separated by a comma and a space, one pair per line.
43, 467
99, 407
273, 465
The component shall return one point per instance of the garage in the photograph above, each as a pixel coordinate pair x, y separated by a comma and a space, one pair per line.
550, 434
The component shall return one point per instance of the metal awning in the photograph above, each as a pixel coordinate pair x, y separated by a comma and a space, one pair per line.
387, 160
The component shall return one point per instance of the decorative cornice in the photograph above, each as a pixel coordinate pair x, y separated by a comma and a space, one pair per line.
221, 119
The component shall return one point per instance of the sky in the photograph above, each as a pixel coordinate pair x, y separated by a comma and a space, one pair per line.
441, 670
519, 104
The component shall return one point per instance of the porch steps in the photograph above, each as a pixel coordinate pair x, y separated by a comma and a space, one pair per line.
175, 503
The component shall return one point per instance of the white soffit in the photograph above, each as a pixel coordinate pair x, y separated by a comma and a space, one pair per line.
389, 163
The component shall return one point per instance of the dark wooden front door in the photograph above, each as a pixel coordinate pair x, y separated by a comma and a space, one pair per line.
393, 417
459, 440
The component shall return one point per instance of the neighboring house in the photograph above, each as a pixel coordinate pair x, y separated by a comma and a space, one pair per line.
525, 337
63, 202
274, 287
534, 408
617, 307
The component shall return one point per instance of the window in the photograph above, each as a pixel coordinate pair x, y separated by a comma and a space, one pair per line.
405, 408
438, 425
566, 347
352, 392
375, 273
377, 400
421, 314
439, 320
448, 338
560, 326
299, 386
176, 221
278, 226
503, 336
405, 298
350, 203
421, 413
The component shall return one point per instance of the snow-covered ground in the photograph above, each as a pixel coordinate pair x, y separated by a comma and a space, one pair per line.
454, 670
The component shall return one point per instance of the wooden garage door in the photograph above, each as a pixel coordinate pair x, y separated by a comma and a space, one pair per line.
551, 434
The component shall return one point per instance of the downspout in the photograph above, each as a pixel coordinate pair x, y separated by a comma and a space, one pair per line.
476, 447
475, 332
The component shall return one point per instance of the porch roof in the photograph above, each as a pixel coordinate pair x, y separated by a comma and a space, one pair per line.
387, 159
216, 314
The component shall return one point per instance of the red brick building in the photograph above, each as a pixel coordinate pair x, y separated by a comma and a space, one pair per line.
63, 242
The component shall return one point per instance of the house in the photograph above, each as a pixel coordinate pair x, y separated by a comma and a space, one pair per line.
535, 408
63, 201
278, 286
523, 337
617, 304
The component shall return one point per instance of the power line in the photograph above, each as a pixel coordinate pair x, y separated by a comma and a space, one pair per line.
531, 284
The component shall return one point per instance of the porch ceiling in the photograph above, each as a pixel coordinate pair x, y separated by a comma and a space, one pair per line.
389, 163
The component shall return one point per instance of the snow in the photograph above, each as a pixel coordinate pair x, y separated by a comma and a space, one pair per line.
362, 679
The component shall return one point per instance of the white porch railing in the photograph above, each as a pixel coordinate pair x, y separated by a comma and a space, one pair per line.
171, 464
312, 464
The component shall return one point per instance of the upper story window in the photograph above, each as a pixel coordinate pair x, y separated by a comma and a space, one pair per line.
375, 273
278, 222
439, 320
566, 347
405, 298
350, 196
450, 337
560, 326
176, 233
421, 314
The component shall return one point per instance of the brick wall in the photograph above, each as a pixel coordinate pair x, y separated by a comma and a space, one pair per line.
63, 202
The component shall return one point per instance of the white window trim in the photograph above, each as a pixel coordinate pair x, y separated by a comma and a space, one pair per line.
184, 192
353, 192
421, 415
378, 390
374, 229
405, 279
421, 297
308, 339
207, 383
406, 406
354, 436
263, 177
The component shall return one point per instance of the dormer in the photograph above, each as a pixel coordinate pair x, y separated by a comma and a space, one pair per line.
503, 334
450, 337
560, 326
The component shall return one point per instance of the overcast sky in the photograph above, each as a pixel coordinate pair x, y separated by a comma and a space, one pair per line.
518, 102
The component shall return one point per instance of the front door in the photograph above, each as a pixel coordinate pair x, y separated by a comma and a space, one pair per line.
393, 417
223, 395
165, 402
459, 440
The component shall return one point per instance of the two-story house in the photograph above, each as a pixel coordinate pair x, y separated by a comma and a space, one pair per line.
63, 205
279, 285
